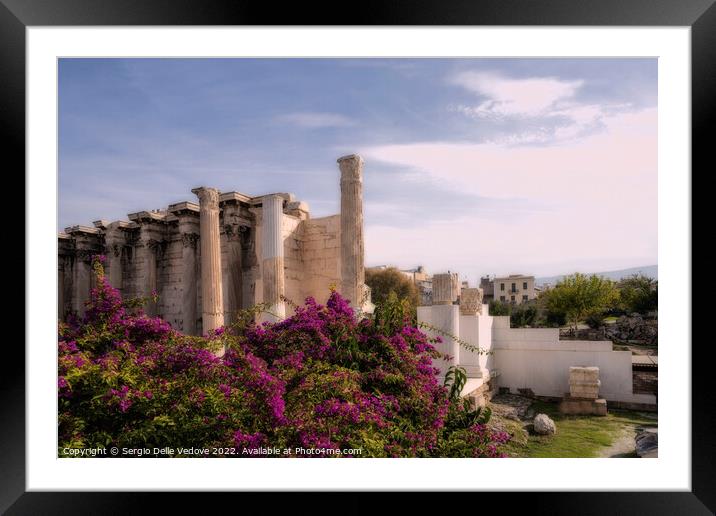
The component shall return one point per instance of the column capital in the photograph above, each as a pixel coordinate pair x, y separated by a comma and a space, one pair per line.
351, 167
189, 240
234, 231
274, 197
208, 196
151, 243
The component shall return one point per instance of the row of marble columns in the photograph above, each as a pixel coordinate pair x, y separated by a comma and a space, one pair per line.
272, 248
272, 254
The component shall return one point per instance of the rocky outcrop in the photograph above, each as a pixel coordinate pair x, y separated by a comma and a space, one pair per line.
634, 328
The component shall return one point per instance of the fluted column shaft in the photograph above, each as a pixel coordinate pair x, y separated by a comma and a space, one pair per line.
445, 288
234, 271
188, 256
212, 310
273, 255
61, 288
81, 280
149, 251
352, 246
114, 241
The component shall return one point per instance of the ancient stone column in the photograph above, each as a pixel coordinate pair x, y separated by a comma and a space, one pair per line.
149, 249
81, 280
61, 288
444, 292
273, 256
212, 306
234, 271
352, 247
188, 256
114, 242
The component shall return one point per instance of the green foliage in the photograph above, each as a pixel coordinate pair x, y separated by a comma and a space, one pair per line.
392, 313
577, 436
638, 293
455, 380
320, 379
389, 281
499, 308
579, 296
523, 315
595, 320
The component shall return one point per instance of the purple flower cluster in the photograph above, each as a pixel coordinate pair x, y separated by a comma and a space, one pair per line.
320, 378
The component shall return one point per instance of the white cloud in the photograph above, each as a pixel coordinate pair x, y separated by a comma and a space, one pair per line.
600, 193
546, 105
514, 97
315, 120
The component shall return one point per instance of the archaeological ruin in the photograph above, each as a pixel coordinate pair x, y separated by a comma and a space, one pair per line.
206, 261
585, 375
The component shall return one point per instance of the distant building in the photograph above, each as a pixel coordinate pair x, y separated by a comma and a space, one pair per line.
488, 288
515, 289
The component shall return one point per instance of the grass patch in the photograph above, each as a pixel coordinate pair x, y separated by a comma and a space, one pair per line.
577, 436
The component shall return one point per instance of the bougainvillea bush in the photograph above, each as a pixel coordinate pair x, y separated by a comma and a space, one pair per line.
320, 379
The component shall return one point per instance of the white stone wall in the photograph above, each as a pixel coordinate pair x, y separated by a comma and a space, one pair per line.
536, 359
532, 358
447, 319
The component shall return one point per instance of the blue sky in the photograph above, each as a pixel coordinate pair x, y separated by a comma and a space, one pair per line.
496, 166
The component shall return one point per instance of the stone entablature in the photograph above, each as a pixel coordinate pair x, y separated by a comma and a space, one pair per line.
162, 251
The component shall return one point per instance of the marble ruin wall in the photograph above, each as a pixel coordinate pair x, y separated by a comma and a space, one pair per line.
161, 251
321, 255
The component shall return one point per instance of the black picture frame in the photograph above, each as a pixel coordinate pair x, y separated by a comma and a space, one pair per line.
16, 15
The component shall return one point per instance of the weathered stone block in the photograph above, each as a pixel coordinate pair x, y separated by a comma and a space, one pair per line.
584, 382
583, 406
471, 301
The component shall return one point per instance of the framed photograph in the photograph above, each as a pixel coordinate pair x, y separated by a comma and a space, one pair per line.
430, 241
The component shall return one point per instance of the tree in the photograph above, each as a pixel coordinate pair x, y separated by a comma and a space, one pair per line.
638, 293
498, 308
523, 315
579, 296
383, 282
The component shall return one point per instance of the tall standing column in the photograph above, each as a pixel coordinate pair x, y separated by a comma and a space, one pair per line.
272, 264
352, 247
81, 280
61, 288
114, 242
188, 303
445, 316
212, 310
150, 248
234, 271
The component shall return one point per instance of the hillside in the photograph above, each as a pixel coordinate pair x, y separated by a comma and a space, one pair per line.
651, 271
